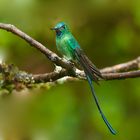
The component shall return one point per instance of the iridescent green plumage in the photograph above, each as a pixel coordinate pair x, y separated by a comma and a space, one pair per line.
70, 49
65, 43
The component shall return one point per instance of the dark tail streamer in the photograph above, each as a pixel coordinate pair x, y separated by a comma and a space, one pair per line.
97, 103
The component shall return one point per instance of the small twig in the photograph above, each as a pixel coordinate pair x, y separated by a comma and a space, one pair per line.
127, 66
123, 75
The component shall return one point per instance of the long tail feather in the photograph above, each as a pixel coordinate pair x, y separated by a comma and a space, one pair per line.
92, 73
96, 101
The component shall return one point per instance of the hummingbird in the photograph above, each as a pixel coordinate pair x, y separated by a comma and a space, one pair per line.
68, 46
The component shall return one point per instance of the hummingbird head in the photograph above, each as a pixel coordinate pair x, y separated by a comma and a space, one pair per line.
60, 28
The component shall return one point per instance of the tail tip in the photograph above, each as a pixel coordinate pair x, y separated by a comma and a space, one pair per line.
113, 132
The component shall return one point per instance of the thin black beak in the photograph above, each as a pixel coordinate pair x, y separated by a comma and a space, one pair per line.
53, 28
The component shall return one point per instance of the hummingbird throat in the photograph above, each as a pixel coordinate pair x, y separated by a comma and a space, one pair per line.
58, 32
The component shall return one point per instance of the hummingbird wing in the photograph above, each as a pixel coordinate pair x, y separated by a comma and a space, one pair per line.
92, 73
87, 65
83, 60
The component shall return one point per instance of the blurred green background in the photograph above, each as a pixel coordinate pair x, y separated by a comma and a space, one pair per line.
109, 32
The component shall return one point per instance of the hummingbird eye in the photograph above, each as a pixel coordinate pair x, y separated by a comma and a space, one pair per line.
63, 27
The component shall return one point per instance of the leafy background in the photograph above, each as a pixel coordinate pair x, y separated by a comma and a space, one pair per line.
109, 33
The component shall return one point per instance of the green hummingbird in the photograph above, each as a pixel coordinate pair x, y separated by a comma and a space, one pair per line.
68, 46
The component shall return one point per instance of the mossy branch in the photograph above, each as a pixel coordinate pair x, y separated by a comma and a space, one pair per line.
11, 75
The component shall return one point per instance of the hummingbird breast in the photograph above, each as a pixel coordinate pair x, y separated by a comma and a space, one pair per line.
64, 47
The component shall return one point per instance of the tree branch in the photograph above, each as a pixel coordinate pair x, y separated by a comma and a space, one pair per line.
127, 66
11, 74
50, 55
50, 77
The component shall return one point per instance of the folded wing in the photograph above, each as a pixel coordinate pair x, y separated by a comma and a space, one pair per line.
87, 65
